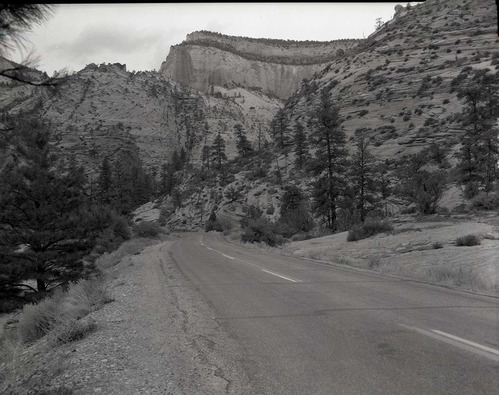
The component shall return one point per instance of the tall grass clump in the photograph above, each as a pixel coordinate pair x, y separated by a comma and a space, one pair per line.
466, 277
467, 241
368, 229
61, 312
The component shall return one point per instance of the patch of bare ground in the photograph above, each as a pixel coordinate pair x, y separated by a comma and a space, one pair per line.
422, 248
153, 338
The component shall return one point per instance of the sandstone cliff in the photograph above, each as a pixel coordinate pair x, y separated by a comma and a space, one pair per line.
276, 67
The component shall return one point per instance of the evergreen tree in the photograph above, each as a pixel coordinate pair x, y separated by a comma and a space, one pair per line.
47, 224
479, 153
279, 129
205, 157
295, 216
328, 167
300, 146
243, 145
422, 185
219, 155
104, 182
166, 178
363, 175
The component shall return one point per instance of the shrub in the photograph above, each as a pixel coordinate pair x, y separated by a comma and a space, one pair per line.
373, 262
467, 241
368, 229
213, 226
61, 313
261, 230
485, 201
147, 229
437, 245
121, 228
36, 320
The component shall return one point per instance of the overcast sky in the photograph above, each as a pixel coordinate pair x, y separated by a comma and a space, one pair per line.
140, 35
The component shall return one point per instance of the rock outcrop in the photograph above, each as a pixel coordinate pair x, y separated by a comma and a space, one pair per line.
205, 61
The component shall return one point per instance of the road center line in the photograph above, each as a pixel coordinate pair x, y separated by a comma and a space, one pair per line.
281, 276
464, 344
470, 343
250, 263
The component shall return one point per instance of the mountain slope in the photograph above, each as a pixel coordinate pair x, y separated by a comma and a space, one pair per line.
398, 81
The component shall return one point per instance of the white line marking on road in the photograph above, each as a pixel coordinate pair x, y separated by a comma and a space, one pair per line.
280, 275
470, 343
250, 263
464, 344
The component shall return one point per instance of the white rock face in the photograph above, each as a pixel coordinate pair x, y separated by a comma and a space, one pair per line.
274, 67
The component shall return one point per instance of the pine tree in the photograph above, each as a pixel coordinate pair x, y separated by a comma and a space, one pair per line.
205, 157
363, 175
279, 129
479, 151
300, 146
219, 155
243, 145
47, 225
328, 167
104, 182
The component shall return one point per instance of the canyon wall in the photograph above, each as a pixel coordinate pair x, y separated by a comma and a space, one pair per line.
274, 67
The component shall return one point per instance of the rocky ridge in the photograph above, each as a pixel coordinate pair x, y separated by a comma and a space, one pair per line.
206, 61
104, 109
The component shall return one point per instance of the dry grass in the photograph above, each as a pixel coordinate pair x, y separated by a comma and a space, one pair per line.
61, 312
130, 247
465, 277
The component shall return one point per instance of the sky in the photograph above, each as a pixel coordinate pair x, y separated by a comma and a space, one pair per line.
140, 34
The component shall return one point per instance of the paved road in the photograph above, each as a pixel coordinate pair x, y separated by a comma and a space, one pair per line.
309, 328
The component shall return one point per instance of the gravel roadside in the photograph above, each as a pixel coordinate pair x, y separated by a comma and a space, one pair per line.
156, 337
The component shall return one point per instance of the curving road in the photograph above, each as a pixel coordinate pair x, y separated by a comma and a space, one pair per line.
309, 328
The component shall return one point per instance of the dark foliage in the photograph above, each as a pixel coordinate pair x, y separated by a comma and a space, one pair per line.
467, 241
48, 225
368, 229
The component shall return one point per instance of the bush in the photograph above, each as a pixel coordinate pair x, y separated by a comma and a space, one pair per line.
437, 245
121, 228
147, 229
261, 230
60, 313
467, 241
213, 226
36, 320
114, 235
485, 201
368, 229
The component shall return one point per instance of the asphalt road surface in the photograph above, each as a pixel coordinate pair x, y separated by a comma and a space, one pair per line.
310, 328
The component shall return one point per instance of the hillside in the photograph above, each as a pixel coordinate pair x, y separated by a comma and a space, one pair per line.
398, 82
103, 109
